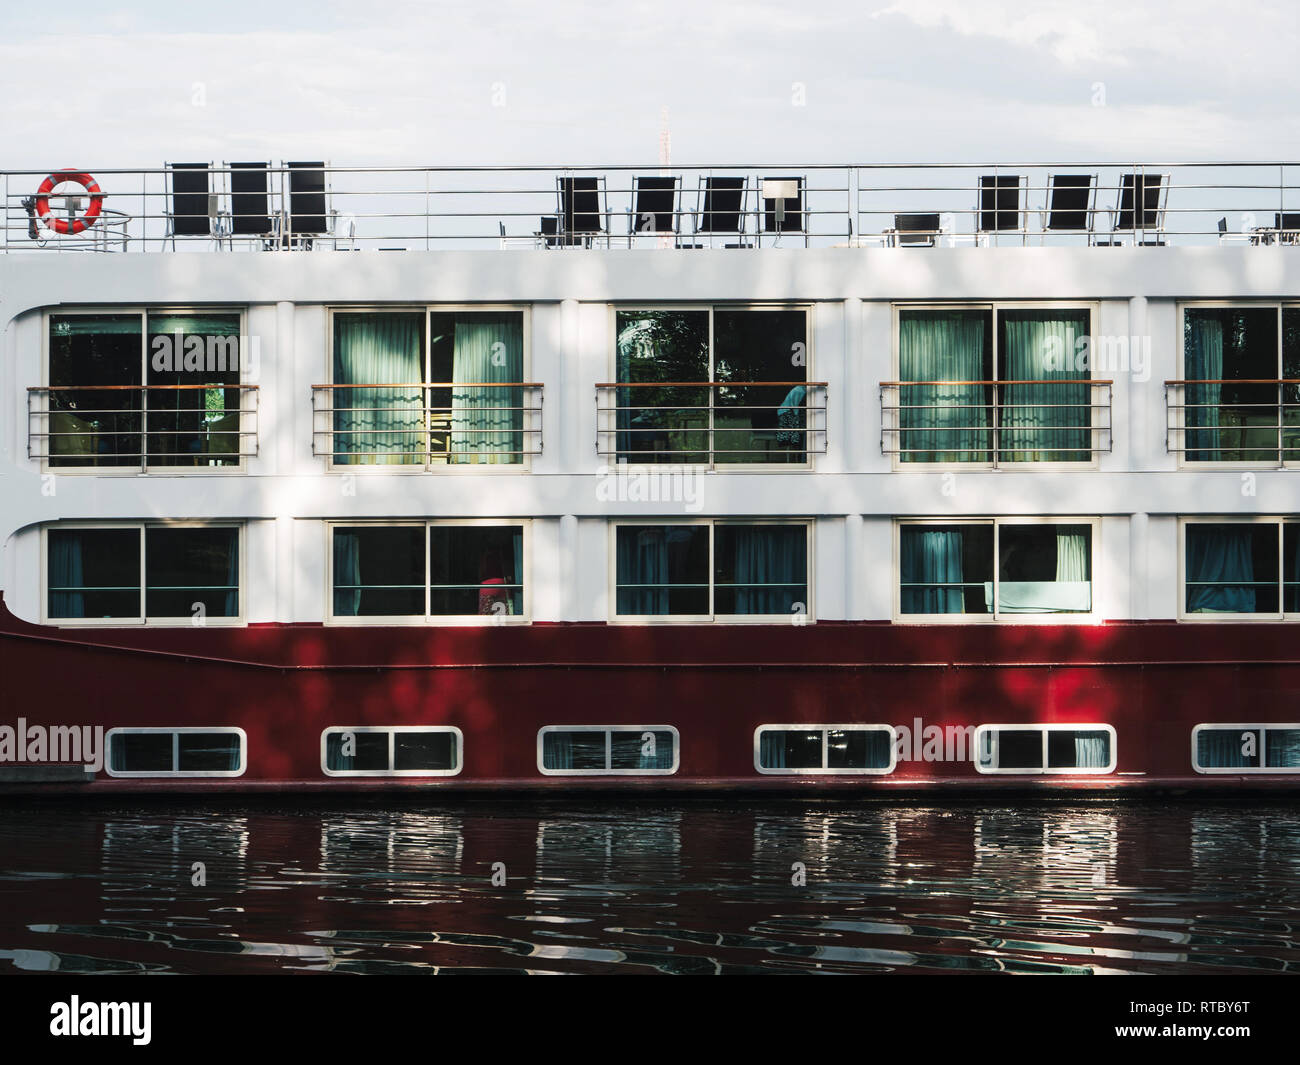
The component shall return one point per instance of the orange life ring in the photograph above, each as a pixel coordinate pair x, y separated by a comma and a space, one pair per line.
62, 225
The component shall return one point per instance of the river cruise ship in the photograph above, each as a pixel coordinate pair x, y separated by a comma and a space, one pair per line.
864, 479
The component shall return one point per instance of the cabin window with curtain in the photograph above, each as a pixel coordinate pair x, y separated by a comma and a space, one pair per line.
577, 750
1240, 397
428, 571
428, 388
825, 749
712, 385
176, 752
709, 570
370, 750
158, 389
1256, 748
994, 385
1045, 749
1243, 568
995, 570
142, 573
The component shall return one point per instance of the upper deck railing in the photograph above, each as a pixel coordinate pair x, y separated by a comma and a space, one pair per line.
313, 207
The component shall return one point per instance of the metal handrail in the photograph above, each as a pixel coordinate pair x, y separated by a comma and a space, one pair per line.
1284, 448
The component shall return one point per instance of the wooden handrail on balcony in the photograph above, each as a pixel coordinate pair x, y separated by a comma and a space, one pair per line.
711, 384
440, 384
1055, 381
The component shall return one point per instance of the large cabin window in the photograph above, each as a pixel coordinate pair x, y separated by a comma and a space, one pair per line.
176, 752
707, 570
428, 571
377, 750
600, 750
993, 385
1239, 400
712, 386
995, 569
143, 390
143, 573
1253, 748
824, 749
428, 388
1246, 568
1056, 749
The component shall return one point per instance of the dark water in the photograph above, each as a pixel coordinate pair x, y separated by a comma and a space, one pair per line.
685, 888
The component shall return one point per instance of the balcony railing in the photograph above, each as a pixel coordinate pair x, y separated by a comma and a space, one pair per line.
149, 427
427, 424
995, 423
314, 207
1253, 421
711, 423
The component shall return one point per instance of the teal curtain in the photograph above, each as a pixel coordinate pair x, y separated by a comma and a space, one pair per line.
1283, 748
1049, 422
1203, 348
487, 423
771, 569
1221, 748
931, 571
1091, 750
347, 574
771, 749
943, 422
643, 560
1220, 569
66, 571
379, 425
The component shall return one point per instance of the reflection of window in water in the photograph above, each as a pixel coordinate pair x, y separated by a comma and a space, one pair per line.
841, 843
429, 844
1012, 844
640, 848
135, 853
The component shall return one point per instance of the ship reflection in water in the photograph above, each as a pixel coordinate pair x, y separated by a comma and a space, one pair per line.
689, 888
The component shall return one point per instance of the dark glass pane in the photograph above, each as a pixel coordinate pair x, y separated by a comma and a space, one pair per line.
1291, 391
760, 569
379, 571
357, 751
1230, 416
667, 420
94, 573
663, 569
188, 425
141, 752
790, 749
98, 423
1291, 566
752, 422
573, 750
1082, 749
858, 749
206, 752
188, 567
1283, 750
1232, 568
476, 569
1020, 749
1045, 569
946, 569
424, 750
641, 750
1228, 748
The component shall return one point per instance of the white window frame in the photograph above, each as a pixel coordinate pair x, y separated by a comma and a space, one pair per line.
144, 311
176, 733
524, 465
1180, 428
712, 617
615, 309
372, 620
1237, 771
142, 619
825, 730
1046, 730
609, 730
1093, 307
392, 731
994, 617
1279, 520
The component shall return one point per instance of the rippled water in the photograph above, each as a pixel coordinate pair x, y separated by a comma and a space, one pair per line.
686, 888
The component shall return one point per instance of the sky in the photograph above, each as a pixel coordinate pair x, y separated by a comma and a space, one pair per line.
557, 82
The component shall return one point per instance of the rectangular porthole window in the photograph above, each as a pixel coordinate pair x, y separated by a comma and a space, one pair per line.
824, 749
627, 750
93, 574
1027, 749
176, 752
1250, 748
392, 751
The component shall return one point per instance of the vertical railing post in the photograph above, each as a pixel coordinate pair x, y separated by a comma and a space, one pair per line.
996, 420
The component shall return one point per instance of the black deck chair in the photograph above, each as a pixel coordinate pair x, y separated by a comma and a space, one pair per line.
549, 234
784, 215
1288, 227
722, 205
655, 205
250, 202
1145, 190
1000, 209
308, 215
916, 230
191, 210
580, 215
1070, 203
